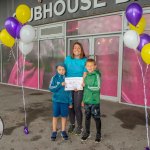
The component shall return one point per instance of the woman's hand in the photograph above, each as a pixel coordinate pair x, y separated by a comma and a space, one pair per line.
76, 90
82, 104
83, 84
70, 106
63, 83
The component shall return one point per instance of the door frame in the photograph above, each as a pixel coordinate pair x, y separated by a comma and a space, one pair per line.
120, 59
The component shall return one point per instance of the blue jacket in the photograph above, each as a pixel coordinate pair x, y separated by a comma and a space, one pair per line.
59, 93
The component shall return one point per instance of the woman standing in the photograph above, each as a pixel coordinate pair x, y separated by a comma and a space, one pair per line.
75, 66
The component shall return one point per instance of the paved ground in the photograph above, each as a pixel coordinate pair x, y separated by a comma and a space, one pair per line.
123, 127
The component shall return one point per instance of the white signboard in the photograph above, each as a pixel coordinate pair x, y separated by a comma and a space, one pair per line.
73, 83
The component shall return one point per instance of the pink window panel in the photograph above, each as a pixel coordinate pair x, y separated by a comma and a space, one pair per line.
106, 51
95, 25
132, 79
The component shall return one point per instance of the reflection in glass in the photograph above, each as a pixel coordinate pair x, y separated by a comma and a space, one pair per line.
9, 58
51, 52
30, 64
132, 80
95, 25
106, 53
147, 16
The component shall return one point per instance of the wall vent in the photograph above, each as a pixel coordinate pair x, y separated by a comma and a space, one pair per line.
51, 31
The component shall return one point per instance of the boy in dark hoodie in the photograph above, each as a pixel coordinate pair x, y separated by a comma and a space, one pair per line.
91, 100
61, 101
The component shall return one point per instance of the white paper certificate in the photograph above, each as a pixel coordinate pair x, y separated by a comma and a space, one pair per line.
72, 83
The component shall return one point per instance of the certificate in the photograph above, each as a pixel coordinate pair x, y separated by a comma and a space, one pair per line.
72, 83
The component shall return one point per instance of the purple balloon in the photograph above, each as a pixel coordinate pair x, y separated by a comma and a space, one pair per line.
18, 30
134, 13
11, 25
26, 131
147, 148
144, 39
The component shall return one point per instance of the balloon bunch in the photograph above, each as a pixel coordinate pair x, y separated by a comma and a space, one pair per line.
136, 39
16, 28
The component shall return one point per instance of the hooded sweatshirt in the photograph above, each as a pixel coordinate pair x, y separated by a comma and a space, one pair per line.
59, 93
92, 88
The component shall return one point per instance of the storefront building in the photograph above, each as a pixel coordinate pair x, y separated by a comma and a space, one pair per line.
99, 25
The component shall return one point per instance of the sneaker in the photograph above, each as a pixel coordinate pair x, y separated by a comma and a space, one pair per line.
53, 136
64, 135
78, 130
85, 136
71, 128
98, 138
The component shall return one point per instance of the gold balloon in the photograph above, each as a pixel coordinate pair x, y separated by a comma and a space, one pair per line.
140, 27
145, 53
0, 35
23, 13
6, 38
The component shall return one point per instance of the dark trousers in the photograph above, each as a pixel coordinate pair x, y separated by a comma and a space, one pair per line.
94, 111
76, 111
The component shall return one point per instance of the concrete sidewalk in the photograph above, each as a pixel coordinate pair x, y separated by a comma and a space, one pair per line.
123, 127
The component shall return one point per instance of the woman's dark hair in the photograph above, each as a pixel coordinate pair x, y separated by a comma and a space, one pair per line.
82, 55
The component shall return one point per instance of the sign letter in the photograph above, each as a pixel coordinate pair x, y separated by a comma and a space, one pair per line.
97, 5
37, 13
70, 10
62, 9
121, 1
47, 10
88, 4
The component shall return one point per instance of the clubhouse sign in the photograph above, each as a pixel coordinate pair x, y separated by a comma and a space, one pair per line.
60, 10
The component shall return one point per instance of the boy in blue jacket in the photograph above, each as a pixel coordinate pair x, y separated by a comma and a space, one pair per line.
61, 101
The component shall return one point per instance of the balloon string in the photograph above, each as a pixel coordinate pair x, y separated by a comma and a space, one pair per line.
146, 70
10, 54
13, 53
145, 98
24, 102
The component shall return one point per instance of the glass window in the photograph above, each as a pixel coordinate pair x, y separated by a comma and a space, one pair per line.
30, 66
95, 25
106, 53
147, 16
51, 52
30, 77
132, 79
9, 57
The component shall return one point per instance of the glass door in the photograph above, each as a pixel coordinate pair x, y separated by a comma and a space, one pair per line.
106, 51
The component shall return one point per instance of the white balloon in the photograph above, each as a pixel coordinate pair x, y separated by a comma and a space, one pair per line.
131, 39
25, 48
27, 33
